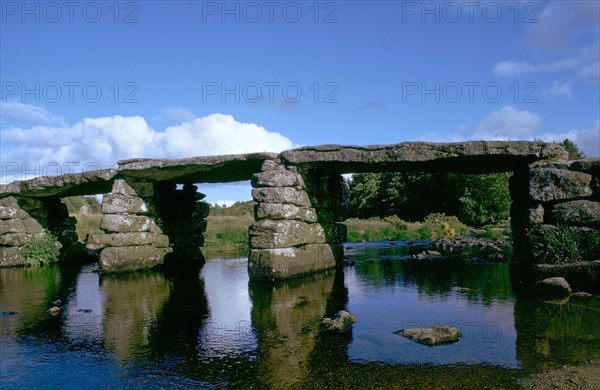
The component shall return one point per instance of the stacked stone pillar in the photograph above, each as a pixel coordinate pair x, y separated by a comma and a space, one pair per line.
296, 213
150, 224
24, 220
549, 194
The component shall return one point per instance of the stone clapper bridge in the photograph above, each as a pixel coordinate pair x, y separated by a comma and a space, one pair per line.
300, 201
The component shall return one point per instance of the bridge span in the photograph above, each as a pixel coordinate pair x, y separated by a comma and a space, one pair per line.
154, 215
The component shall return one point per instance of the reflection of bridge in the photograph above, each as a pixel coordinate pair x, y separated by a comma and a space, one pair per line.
300, 197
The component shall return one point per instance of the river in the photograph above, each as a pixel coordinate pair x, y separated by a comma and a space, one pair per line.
218, 329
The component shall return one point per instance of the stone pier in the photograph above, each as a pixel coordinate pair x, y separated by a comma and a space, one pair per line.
146, 224
26, 219
296, 214
552, 194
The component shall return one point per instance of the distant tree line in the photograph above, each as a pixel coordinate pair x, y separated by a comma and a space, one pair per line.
476, 200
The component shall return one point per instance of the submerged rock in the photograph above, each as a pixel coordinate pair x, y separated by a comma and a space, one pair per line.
555, 286
341, 322
432, 336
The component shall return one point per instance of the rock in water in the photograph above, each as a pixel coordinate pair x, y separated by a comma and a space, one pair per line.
341, 322
556, 286
432, 336
54, 311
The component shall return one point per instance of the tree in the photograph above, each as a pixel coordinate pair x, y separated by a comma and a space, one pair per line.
475, 199
574, 152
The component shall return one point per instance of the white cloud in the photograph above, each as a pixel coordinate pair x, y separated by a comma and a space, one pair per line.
591, 72
178, 113
512, 68
515, 68
101, 142
508, 123
28, 114
587, 139
559, 89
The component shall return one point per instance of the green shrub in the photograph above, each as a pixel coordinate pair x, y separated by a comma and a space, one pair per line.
398, 223
440, 225
40, 252
557, 245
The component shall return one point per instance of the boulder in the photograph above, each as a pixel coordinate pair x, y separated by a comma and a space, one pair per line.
19, 239
536, 215
555, 286
577, 212
131, 258
12, 211
282, 263
130, 239
129, 204
10, 256
12, 226
123, 223
202, 210
548, 184
288, 195
284, 234
587, 165
278, 178
277, 211
142, 189
341, 322
432, 336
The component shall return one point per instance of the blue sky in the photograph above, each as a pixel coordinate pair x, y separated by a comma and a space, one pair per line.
84, 84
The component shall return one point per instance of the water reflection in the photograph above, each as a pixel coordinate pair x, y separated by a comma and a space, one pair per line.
132, 304
394, 292
287, 318
219, 329
556, 333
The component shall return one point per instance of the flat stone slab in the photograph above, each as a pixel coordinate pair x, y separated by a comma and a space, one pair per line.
209, 169
464, 157
71, 184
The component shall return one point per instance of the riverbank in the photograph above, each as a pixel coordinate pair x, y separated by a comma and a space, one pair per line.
582, 376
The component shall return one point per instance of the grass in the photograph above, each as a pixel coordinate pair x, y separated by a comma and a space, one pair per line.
87, 223
393, 228
564, 244
227, 233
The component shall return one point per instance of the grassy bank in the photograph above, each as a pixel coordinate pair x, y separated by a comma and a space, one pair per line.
226, 233
393, 228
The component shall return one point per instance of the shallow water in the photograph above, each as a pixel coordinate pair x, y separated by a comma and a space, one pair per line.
221, 330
